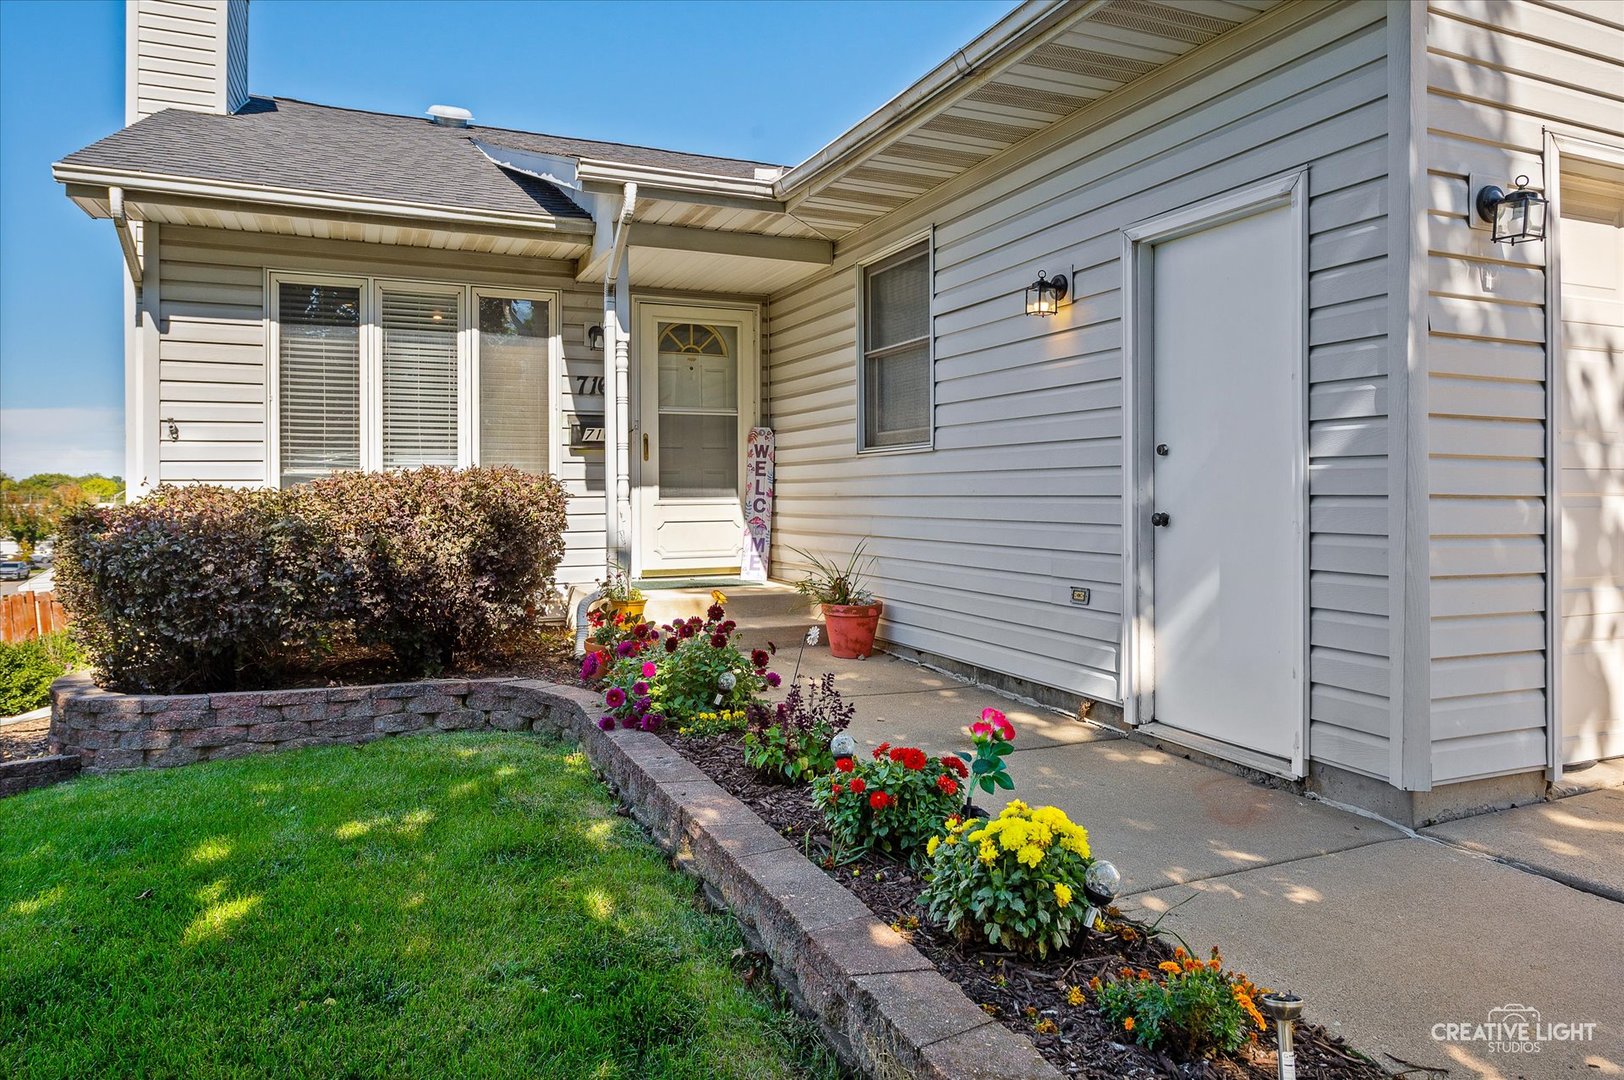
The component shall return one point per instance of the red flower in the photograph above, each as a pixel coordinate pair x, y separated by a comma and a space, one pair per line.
881, 750
719, 641
858, 785
953, 762
844, 764
909, 757
880, 800
759, 657
947, 784
836, 788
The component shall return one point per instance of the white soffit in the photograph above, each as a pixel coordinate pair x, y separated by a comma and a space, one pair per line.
1101, 48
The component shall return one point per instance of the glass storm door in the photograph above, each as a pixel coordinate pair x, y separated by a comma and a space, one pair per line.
697, 403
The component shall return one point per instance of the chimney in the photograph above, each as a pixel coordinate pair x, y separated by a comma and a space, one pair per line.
185, 54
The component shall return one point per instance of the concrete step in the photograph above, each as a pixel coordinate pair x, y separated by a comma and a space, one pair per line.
745, 603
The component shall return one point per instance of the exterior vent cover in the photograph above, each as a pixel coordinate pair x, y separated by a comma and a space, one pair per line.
450, 116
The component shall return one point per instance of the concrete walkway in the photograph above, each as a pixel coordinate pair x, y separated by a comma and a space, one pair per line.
1386, 933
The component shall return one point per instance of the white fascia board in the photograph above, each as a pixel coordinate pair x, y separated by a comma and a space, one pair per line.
555, 170
615, 172
1001, 43
134, 182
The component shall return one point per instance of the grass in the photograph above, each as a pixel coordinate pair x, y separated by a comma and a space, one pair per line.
438, 906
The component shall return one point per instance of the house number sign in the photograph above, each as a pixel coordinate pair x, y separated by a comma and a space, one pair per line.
758, 504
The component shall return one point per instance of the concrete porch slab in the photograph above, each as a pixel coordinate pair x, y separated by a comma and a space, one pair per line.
1387, 940
1578, 840
934, 720
1164, 820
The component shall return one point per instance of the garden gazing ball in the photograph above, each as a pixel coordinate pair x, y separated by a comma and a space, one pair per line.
843, 745
726, 681
1101, 883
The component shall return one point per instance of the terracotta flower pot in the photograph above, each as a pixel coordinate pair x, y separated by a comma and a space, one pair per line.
607, 662
852, 628
632, 608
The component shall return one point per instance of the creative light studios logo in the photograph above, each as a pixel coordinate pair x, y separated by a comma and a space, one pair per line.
1515, 1029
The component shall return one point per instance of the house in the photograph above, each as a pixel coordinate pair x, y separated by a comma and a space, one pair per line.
1301, 469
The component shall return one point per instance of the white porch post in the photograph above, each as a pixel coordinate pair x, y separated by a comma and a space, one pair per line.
617, 484
623, 427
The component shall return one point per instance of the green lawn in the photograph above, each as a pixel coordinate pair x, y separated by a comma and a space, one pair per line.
435, 906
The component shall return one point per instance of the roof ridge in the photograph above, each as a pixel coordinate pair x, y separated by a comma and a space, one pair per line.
517, 131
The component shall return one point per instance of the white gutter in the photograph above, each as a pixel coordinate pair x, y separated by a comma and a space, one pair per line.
614, 172
1008, 35
616, 399
137, 182
121, 226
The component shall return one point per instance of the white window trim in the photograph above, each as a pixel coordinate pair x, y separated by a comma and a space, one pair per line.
371, 287
928, 238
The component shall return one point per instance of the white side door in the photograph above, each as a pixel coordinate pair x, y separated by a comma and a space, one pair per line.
1228, 616
697, 402
1589, 447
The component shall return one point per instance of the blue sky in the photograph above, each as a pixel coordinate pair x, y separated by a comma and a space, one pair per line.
766, 81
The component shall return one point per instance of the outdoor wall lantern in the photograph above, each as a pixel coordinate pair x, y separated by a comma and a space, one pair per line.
594, 337
1043, 296
1517, 215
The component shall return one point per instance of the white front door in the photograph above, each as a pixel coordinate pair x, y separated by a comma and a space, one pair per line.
1590, 456
697, 400
1227, 616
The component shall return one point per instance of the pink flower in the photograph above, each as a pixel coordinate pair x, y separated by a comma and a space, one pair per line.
773, 678
649, 668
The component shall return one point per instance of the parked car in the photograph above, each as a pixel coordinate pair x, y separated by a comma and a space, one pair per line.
14, 570
40, 562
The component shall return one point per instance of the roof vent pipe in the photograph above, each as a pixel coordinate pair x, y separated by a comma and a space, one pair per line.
450, 116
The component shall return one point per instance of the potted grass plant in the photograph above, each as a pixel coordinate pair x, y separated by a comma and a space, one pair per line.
624, 598
850, 611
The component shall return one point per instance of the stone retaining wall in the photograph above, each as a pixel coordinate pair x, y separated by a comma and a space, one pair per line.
880, 1003
109, 731
19, 776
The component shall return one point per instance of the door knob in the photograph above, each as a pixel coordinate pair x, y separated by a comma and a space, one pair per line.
1161, 449
1160, 519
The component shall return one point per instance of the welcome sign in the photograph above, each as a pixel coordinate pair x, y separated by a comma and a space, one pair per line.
758, 503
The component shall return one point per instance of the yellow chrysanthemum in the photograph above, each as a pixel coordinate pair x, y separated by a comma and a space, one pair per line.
1074, 996
931, 845
1031, 855
988, 852
1062, 893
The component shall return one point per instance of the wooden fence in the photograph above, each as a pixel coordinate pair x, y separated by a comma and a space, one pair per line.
27, 615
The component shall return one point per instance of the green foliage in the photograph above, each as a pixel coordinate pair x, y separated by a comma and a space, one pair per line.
27, 669
1190, 1008
794, 745
828, 582
208, 588
31, 510
455, 906
1013, 882
894, 802
618, 588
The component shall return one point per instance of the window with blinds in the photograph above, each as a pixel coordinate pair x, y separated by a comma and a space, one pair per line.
319, 382
419, 378
513, 382
896, 375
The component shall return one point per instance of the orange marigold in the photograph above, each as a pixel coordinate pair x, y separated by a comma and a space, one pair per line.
1127, 1024
1170, 967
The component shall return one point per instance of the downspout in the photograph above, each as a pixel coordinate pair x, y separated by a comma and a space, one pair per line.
616, 413
126, 238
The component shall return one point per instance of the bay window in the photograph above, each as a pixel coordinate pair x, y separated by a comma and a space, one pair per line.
374, 374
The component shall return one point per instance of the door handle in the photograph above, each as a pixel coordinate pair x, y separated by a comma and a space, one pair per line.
645, 446
1161, 520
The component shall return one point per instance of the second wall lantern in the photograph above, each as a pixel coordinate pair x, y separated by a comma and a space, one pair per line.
1043, 296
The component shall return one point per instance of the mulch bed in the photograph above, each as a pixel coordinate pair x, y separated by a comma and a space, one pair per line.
1021, 993
25, 739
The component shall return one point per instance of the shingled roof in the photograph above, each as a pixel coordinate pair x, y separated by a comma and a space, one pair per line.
285, 143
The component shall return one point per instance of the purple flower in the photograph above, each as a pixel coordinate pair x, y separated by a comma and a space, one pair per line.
773, 679
589, 666
642, 705
670, 644
615, 698
653, 721
639, 687
606, 723
625, 648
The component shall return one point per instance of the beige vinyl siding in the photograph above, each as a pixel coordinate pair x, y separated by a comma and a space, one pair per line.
186, 54
1498, 74
213, 368
979, 541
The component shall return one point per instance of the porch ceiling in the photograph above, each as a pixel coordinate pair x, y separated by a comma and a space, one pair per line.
1057, 59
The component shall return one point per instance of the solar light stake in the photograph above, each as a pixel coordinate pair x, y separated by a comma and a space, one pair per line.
725, 682
1285, 1010
1101, 884
843, 745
